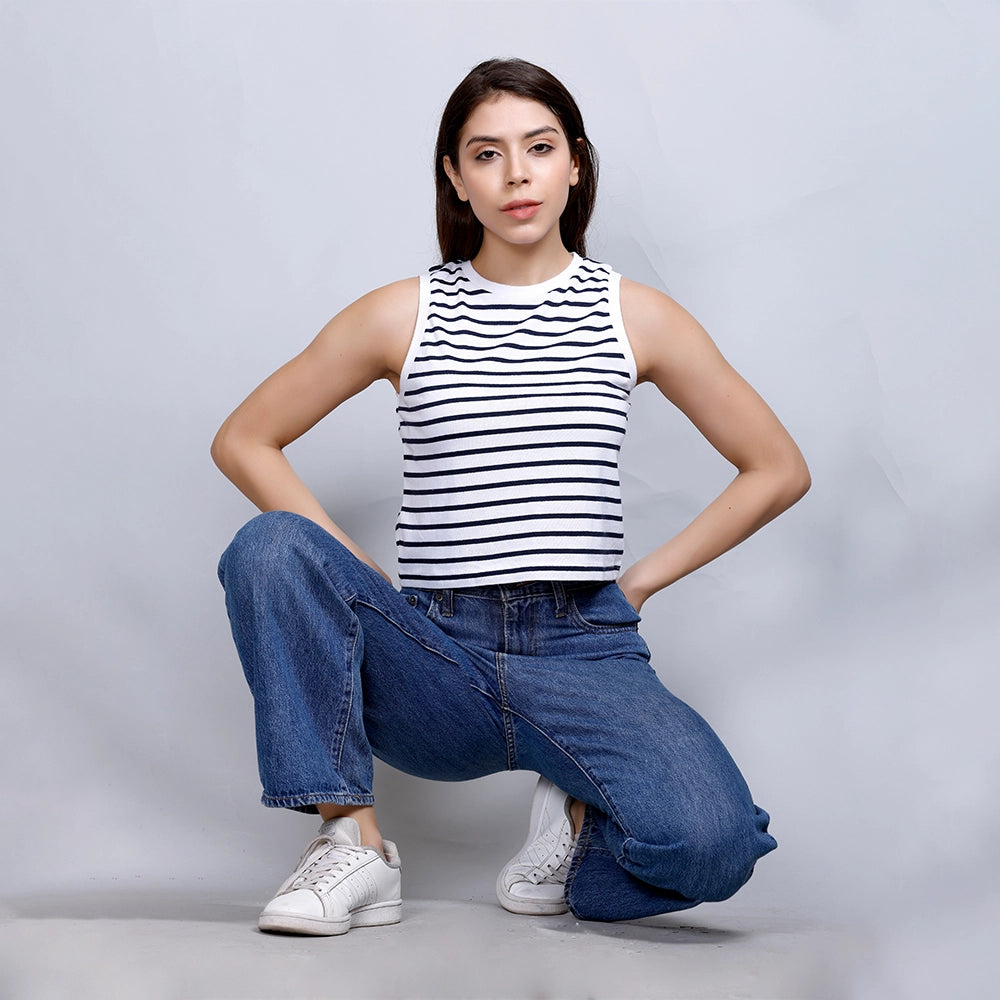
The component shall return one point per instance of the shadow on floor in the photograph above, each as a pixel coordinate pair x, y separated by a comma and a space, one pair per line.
668, 929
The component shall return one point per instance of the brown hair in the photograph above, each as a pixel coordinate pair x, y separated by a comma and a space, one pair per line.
460, 233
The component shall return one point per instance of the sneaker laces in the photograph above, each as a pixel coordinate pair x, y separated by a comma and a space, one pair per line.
549, 857
322, 864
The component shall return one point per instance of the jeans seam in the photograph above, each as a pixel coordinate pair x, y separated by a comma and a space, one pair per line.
334, 576
344, 728
612, 812
505, 712
420, 642
582, 847
345, 724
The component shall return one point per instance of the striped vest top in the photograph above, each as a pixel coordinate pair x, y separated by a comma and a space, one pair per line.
513, 402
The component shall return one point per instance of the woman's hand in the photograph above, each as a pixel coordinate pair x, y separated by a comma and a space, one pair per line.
630, 594
674, 352
365, 342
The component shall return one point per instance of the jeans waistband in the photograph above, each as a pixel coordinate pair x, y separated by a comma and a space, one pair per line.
504, 592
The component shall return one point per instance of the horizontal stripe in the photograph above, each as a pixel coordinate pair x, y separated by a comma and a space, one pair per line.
457, 281
492, 346
491, 556
551, 445
512, 413
474, 307
461, 291
521, 361
506, 466
468, 314
515, 484
498, 398
486, 431
551, 385
513, 374
560, 516
614, 501
484, 539
469, 579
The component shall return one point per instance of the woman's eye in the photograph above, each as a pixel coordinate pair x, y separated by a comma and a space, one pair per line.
541, 147
487, 155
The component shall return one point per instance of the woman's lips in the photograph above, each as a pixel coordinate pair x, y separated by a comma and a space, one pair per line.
521, 209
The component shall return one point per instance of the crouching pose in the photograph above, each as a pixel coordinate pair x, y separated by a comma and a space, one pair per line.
513, 640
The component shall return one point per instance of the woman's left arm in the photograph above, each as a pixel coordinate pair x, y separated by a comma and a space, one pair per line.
674, 352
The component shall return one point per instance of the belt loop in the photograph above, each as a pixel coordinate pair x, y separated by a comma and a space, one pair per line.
448, 604
559, 593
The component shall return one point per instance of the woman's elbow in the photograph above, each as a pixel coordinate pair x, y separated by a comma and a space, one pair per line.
796, 479
218, 449
225, 447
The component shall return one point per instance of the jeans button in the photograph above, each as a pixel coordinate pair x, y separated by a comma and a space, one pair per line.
412, 598
438, 595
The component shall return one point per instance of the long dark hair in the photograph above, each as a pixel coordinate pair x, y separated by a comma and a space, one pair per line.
460, 233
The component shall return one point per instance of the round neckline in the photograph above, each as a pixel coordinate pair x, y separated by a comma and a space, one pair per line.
516, 290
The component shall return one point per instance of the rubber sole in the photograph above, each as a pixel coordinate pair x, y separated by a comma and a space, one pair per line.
529, 907
375, 915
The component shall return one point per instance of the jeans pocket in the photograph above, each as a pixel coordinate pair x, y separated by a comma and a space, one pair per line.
602, 608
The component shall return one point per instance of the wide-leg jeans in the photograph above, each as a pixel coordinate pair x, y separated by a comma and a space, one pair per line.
456, 684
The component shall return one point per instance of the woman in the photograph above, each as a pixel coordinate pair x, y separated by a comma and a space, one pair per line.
513, 642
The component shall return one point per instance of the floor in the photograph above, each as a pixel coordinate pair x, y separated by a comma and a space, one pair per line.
188, 944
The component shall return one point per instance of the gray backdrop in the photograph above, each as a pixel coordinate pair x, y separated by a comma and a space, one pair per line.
191, 189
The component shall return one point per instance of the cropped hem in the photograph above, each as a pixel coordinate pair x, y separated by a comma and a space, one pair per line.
548, 574
308, 802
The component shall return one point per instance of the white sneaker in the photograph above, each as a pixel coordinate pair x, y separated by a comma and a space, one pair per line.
533, 880
337, 885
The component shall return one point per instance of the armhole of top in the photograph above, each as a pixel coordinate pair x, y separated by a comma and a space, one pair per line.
615, 302
419, 326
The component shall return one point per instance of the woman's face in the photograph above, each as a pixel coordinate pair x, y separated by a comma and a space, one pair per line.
515, 169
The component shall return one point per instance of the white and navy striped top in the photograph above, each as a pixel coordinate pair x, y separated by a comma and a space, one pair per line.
513, 403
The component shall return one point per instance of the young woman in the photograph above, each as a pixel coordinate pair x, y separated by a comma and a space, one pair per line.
513, 642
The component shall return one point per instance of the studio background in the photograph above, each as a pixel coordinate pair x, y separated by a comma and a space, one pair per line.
190, 190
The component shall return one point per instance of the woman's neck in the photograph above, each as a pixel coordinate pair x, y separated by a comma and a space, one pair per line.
511, 264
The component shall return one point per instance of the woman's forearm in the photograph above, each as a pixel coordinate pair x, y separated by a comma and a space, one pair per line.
752, 499
263, 475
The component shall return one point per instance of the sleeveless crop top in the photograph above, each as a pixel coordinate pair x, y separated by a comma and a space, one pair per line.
513, 402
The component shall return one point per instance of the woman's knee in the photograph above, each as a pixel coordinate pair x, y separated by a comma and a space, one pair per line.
701, 864
266, 545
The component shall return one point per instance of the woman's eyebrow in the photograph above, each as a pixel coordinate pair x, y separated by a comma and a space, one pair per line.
527, 135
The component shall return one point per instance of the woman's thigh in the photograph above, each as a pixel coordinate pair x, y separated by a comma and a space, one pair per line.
593, 716
313, 622
428, 704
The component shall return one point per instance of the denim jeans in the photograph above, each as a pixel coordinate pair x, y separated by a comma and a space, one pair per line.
456, 684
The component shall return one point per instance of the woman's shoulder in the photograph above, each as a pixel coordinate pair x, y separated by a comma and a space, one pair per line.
385, 310
649, 311
389, 300
661, 331
382, 321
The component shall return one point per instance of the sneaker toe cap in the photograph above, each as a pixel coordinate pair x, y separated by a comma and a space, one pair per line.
525, 896
534, 892
297, 903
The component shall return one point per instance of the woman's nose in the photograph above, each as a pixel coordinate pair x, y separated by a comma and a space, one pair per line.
517, 172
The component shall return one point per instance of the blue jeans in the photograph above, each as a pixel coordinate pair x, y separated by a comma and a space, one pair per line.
456, 684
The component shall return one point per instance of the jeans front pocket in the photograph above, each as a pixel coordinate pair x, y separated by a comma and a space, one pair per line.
602, 608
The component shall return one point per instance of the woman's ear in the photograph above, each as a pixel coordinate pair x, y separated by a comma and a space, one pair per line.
456, 179
574, 173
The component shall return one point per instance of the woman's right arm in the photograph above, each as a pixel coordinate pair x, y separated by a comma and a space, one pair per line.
365, 342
